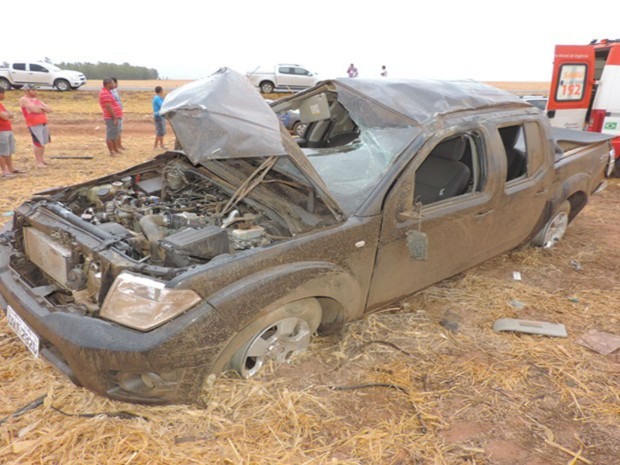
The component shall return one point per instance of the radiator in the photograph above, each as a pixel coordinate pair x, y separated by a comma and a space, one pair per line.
51, 257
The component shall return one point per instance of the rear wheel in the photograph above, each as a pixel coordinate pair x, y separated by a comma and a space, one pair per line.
5, 84
276, 336
555, 228
62, 85
266, 87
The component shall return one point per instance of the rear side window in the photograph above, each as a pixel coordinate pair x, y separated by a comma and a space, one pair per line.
19, 66
285, 70
515, 147
572, 82
524, 152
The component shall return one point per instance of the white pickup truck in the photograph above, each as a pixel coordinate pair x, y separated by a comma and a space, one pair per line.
16, 75
282, 78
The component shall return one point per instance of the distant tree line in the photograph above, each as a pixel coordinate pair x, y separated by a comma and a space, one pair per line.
101, 70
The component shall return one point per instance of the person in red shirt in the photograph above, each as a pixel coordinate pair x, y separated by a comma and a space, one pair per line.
7, 140
112, 114
35, 112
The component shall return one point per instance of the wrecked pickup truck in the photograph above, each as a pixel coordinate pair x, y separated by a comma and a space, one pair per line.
232, 253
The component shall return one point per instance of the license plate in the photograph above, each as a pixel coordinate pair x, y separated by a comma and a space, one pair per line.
23, 331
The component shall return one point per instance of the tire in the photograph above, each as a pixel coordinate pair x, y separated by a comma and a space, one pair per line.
555, 228
266, 87
17, 86
62, 85
299, 128
5, 84
277, 336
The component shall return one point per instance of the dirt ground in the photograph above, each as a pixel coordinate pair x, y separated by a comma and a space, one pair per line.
423, 381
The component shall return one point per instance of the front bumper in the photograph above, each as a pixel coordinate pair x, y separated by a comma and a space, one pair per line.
77, 82
166, 365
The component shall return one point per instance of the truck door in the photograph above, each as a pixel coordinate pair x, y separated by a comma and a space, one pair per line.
38, 74
294, 77
451, 180
19, 74
528, 175
570, 96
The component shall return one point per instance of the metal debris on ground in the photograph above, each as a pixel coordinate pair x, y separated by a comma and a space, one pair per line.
576, 265
451, 321
72, 157
544, 328
516, 275
517, 304
600, 342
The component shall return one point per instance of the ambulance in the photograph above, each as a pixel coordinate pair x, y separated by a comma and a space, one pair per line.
585, 89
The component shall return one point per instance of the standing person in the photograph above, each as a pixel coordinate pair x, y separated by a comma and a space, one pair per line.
112, 113
352, 71
117, 96
7, 140
383, 71
160, 122
35, 112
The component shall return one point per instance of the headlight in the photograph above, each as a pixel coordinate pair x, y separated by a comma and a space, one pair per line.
143, 303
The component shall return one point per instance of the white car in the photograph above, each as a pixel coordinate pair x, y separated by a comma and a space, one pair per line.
282, 78
16, 75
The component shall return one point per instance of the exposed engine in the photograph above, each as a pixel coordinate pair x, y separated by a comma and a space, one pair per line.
173, 217
158, 220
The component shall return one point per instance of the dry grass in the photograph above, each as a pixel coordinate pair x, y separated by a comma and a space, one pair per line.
396, 388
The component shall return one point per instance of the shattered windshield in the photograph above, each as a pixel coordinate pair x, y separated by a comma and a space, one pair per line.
350, 172
349, 143
352, 142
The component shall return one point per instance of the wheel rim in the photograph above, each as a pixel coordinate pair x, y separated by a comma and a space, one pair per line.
63, 85
556, 229
278, 342
5, 84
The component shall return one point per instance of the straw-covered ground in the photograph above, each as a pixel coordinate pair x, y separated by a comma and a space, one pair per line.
424, 381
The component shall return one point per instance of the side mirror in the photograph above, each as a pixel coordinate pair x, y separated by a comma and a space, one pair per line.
417, 243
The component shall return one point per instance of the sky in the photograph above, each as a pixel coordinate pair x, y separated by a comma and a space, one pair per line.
474, 39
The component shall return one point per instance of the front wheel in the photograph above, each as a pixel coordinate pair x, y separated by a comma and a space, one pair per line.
555, 228
266, 87
276, 336
62, 85
5, 84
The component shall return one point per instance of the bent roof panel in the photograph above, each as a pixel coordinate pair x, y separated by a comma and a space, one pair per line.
421, 100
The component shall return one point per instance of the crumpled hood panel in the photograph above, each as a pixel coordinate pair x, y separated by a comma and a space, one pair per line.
223, 116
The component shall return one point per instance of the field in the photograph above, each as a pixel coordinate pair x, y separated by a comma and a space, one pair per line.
423, 381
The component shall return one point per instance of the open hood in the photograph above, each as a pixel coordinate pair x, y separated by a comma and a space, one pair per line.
223, 116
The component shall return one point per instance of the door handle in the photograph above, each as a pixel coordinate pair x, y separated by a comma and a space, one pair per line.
483, 214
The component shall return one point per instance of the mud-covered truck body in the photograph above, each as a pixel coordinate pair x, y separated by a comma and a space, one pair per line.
235, 251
